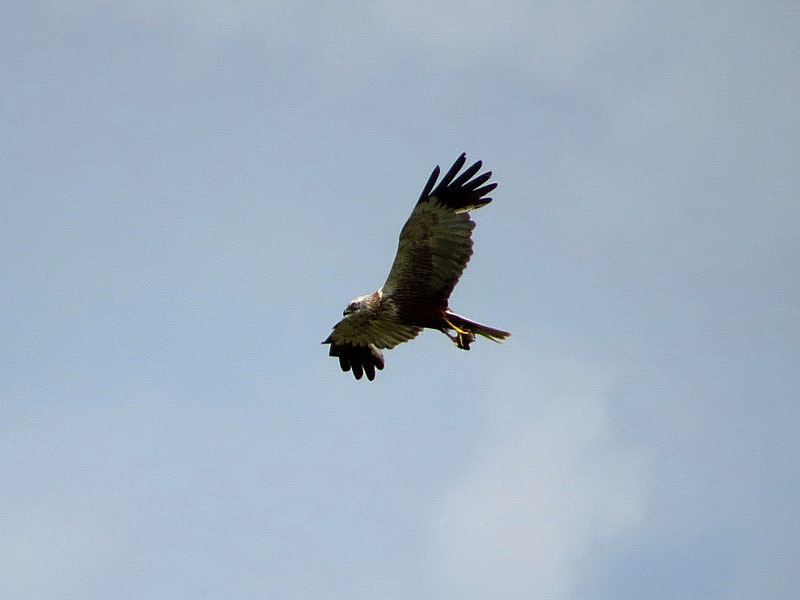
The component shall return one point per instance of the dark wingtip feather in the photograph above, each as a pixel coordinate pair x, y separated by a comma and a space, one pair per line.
429, 185
466, 175
358, 370
358, 359
445, 182
459, 192
478, 181
369, 369
485, 190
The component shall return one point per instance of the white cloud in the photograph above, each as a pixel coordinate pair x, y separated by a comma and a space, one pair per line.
550, 488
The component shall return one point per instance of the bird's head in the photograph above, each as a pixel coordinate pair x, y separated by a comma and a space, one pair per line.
363, 303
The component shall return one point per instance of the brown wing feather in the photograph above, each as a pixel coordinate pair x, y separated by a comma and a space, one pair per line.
435, 243
367, 329
356, 340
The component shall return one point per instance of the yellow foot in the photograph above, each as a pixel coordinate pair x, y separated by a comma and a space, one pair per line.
454, 328
463, 338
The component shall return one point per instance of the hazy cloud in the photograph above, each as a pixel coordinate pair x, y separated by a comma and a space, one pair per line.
549, 489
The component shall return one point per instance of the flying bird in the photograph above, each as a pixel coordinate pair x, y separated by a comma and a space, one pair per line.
434, 249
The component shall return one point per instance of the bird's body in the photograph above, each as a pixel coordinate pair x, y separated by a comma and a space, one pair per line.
434, 249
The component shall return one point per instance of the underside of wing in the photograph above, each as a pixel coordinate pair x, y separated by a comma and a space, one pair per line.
435, 243
365, 330
356, 340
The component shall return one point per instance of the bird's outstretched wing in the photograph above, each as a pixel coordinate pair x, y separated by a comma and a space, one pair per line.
435, 243
356, 340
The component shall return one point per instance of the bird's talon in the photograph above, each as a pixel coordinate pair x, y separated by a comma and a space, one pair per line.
460, 332
463, 340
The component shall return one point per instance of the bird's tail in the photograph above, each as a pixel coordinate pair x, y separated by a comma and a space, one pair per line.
496, 335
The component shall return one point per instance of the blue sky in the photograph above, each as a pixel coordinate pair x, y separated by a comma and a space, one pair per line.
190, 194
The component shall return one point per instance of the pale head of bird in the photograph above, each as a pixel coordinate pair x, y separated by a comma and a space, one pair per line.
363, 303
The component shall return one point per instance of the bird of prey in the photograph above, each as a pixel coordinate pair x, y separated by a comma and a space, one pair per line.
435, 246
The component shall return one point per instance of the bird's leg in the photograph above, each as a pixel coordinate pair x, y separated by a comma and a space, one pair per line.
454, 328
463, 338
